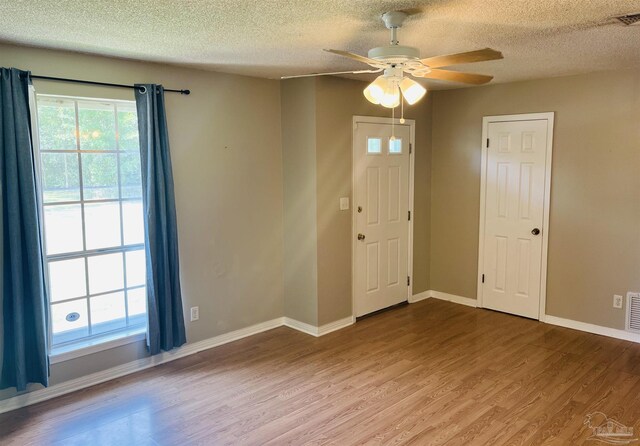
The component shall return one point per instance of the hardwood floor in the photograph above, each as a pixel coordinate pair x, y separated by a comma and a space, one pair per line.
431, 373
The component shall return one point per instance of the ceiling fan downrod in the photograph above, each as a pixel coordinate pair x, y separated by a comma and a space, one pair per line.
394, 20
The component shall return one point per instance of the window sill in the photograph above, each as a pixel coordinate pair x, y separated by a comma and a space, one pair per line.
83, 348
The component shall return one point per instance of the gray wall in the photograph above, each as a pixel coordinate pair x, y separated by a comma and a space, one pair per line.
254, 178
299, 179
337, 101
227, 160
317, 116
594, 237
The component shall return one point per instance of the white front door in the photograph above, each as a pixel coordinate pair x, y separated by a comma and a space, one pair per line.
381, 206
514, 216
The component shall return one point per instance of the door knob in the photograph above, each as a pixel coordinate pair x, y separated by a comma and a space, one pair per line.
360, 236
535, 231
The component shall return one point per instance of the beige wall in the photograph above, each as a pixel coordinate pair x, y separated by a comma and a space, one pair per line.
227, 161
337, 101
254, 178
299, 180
594, 236
328, 178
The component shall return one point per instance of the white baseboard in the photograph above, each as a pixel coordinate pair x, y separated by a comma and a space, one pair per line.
300, 326
591, 328
321, 330
443, 296
336, 325
420, 296
548, 319
72, 385
454, 298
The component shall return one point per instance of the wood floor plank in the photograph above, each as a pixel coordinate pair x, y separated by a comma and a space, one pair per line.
432, 373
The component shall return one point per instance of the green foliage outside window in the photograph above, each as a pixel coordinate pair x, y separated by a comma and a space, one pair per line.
96, 132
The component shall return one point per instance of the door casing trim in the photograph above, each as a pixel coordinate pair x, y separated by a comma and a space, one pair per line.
412, 131
549, 117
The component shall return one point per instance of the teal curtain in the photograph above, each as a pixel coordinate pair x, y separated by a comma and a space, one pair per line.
164, 299
24, 315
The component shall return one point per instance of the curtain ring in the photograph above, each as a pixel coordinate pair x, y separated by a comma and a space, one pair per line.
143, 89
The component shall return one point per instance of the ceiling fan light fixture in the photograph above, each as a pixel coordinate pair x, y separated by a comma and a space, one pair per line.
412, 90
391, 97
383, 91
375, 90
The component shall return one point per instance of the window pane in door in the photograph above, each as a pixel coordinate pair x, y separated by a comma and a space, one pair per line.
67, 279
63, 228
60, 177
96, 122
395, 145
374, 145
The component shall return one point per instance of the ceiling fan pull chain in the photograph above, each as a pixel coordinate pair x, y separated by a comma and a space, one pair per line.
393, 122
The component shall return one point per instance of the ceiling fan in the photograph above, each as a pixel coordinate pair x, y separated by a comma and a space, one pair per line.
395, 60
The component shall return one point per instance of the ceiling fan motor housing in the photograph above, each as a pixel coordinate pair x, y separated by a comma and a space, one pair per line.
394, 53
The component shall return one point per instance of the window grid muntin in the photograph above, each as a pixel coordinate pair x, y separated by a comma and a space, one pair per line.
124, 257
92, 201
85, 253
84, 232
117, 290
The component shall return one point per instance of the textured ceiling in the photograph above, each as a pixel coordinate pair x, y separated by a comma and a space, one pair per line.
271, 38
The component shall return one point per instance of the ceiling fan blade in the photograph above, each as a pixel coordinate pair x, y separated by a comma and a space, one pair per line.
456, 76
460, 58
331, 74
354, 56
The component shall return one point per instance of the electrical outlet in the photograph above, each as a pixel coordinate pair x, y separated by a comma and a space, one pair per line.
617, 301
195, 313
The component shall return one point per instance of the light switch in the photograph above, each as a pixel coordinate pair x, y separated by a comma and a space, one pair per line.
344, 203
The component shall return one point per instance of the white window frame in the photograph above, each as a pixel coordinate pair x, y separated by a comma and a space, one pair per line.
114, 338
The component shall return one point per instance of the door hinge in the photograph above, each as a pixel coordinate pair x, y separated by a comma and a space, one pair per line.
483, 278
410, 147
487, 143
408, 280
409, 216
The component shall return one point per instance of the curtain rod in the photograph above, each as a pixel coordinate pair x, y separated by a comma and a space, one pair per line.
104, 84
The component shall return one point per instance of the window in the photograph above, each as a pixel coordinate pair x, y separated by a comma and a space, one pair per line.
90, 185
374, 145
395, 146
